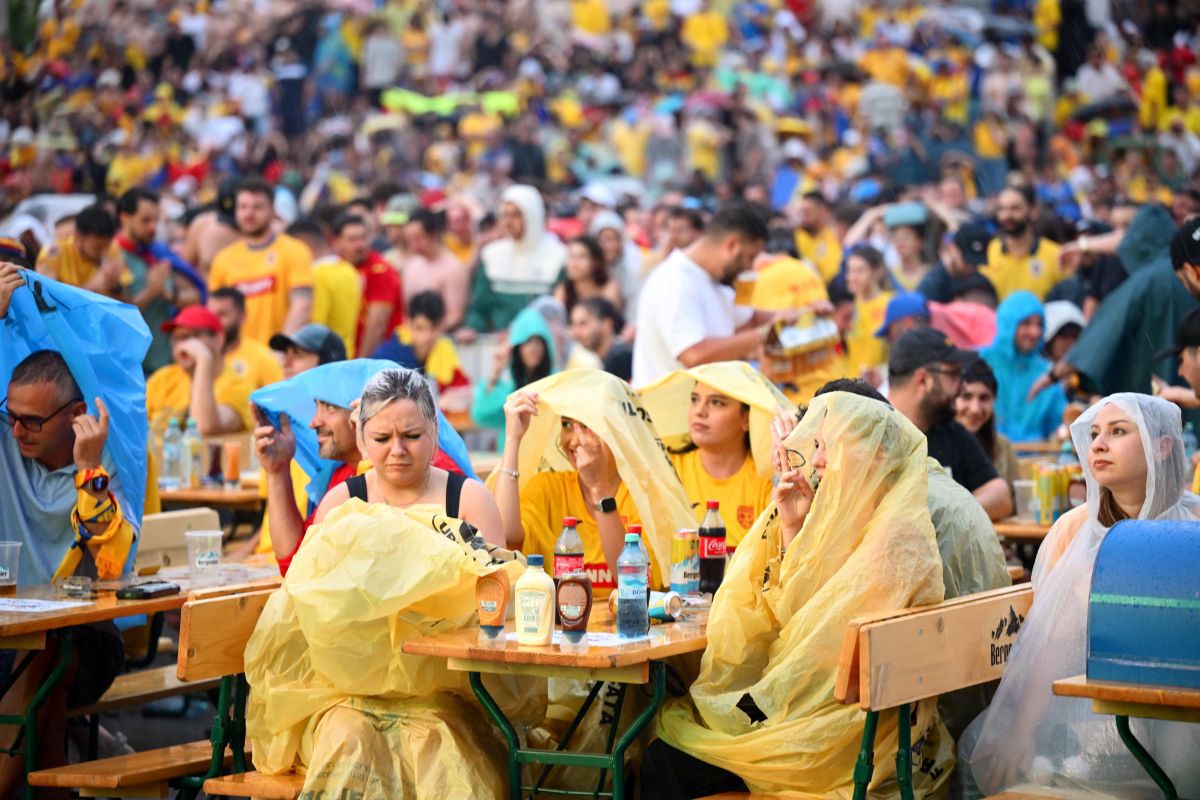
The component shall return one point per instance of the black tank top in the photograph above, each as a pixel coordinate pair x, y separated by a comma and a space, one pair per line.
357, 486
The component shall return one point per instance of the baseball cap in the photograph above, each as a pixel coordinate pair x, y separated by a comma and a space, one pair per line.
599, 194
905, 304
923, 347
972, 282
1186, 335
1185, 244
195, 317
313, 338
972, 240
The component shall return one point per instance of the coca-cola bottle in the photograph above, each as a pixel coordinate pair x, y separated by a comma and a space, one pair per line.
712, 549
568, 550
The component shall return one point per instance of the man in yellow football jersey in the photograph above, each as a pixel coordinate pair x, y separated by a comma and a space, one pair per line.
273, 271
249, 358
200, 384
816, 239
1018, 258
86, 258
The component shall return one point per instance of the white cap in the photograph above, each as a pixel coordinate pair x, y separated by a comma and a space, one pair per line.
1059, 314
794, 148
22, 136
599, 194
110, 78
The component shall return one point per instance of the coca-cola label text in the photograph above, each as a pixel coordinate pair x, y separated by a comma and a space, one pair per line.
712, 546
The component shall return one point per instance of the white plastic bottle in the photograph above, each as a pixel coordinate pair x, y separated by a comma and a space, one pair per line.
535, 605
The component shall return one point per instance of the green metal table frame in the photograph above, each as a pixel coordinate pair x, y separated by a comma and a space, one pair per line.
228, 731
864, 767
1144, 758
25, 743
613, 759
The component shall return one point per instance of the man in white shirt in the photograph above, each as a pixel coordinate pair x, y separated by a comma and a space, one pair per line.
687, 314
1097, 79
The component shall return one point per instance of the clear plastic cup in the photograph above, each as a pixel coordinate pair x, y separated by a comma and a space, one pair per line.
10, 563
204, 555
1025, 496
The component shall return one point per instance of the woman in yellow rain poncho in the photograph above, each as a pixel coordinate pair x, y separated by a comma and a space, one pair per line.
716, 422
578, 443
762, 710
332, 693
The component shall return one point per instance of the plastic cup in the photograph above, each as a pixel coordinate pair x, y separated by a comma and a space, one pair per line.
1024, 490
10, 563
204, 555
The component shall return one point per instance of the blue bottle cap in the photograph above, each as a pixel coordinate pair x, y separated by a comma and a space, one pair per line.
535, 560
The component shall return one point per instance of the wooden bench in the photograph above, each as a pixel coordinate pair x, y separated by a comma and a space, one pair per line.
214, 628
893, 659
256, 785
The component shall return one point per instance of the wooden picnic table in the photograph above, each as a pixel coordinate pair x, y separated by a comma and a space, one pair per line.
603, 659
45, 610
1146, 701
213, 497
1021, 530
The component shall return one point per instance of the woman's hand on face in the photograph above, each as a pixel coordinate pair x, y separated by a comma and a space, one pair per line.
781, 428
591, 462
519, 410
793, 496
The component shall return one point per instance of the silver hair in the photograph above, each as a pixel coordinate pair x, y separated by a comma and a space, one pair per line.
391, 385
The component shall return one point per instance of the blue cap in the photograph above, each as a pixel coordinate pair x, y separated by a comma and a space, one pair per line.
905, 304
535, 560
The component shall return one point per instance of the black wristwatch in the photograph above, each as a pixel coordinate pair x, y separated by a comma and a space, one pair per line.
606, 506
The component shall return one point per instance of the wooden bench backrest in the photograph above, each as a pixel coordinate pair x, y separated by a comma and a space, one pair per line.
911, 654
161, 542
213, 633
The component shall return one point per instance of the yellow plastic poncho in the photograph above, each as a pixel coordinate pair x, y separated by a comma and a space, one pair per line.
776, 625
611, 409
667, 401
331, 691
606, 405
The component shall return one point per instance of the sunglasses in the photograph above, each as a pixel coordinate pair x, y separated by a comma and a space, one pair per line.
29, 422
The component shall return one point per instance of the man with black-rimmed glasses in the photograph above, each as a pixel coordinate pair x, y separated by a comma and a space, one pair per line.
61, 498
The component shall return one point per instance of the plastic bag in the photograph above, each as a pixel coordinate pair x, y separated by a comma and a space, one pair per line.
667, 402
1030, 737
763, 704
339, 384
331, 691
103, 342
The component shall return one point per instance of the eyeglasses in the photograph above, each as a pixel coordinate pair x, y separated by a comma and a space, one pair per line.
953, 374
28, 421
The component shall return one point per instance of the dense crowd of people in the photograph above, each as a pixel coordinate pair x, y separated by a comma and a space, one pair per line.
831, 264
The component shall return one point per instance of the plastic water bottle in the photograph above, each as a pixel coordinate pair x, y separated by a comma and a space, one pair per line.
172, 452
633, 619
1190, 444
193, 455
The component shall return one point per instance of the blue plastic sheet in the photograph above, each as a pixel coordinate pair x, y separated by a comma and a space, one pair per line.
103, 342
339, 384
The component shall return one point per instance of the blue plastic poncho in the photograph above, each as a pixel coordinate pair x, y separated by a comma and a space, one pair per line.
103, 342
1019, 419
339, 384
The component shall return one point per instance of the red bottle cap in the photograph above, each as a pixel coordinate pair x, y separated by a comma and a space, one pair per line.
636, 529
713, 505
570, 522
